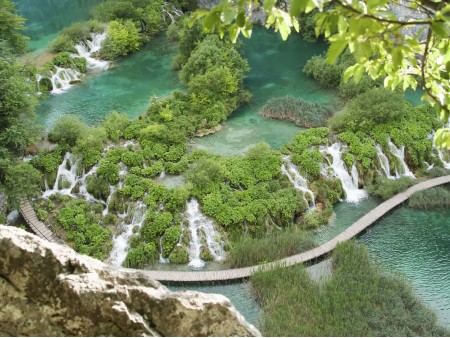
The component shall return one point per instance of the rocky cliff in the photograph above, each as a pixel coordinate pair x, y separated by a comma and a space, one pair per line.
50, 290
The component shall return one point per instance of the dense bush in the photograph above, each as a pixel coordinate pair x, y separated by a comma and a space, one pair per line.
78, 219
140, 255
358, 299
90, 145
279, 244
64, 60
76, 33
21, 180
122, 38
115, 123
67, 130
97, 187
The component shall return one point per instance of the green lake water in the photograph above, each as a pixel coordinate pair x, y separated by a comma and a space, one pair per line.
45, 18
127, 87
276, 70
413, 242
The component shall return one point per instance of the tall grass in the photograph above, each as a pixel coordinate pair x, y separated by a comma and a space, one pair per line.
357, 300
302, 113
386, 188
438, 197
250, 251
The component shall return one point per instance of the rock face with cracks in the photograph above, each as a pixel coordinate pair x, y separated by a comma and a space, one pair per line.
49, 290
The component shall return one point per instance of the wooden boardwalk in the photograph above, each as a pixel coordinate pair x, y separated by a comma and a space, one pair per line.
353, 230
236, 274
39, 228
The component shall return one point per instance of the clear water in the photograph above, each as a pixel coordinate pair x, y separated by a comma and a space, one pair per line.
45, 18
276, 70
417, 243
414, 242
127, 87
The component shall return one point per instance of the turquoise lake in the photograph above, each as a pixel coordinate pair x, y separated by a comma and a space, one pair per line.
413, 242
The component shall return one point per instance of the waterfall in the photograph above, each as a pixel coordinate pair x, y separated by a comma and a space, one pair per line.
87, 48
201, 228
121, 242
162, 175
65, 176
63, 78
112, 190
400, 154
442, 156
83, 188
172, 12
349, 183
297, 180
161, 258
384, 163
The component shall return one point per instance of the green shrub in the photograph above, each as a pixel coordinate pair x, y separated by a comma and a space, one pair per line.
109, 171
140, 255
171, 238
115, 123
67, 130
75, 33
179, 255
97, 187
122, 38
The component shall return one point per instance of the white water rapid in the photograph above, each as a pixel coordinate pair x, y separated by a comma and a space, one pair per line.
87, 48
384, 163
62, 79
400, 154
66, 177
297, 180
349, 183
121, 243
201, 229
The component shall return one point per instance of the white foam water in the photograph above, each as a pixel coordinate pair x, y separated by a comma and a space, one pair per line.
201, 229
349, 183
297, 180
384, 163
400, 154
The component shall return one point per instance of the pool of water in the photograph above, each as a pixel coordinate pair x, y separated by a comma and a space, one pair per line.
276, 70
417, 244
127, 87
45, 18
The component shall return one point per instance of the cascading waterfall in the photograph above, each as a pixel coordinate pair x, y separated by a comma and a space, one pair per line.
384, 163
65, 177
171, 12
87, 48
62, 79
201, 227
297, 180
400, 154
121, 242
349, 183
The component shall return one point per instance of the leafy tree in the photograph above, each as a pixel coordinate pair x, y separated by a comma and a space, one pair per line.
123, 37
384, 45
11, 23
115, 123
21, 180
67, 130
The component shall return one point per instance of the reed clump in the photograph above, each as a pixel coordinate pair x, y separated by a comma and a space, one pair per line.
359, 299
438, 197
252, 251
302, 113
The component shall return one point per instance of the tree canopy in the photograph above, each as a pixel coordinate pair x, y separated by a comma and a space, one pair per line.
407, 44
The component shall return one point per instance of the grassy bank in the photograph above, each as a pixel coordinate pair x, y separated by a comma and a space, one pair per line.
253, 251
358, 300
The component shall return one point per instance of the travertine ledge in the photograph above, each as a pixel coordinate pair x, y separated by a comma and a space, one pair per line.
50, 290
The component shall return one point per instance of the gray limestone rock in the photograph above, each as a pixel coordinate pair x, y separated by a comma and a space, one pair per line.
49, 290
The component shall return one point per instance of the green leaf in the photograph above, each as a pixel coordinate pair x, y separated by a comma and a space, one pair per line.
228, 15
440, 29
297, 7
240, 20
268, 4
397, 57
335, 49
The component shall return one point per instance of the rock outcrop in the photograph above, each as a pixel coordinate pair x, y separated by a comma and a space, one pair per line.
50, 290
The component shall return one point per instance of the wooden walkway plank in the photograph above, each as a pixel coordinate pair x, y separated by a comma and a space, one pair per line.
353, 230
